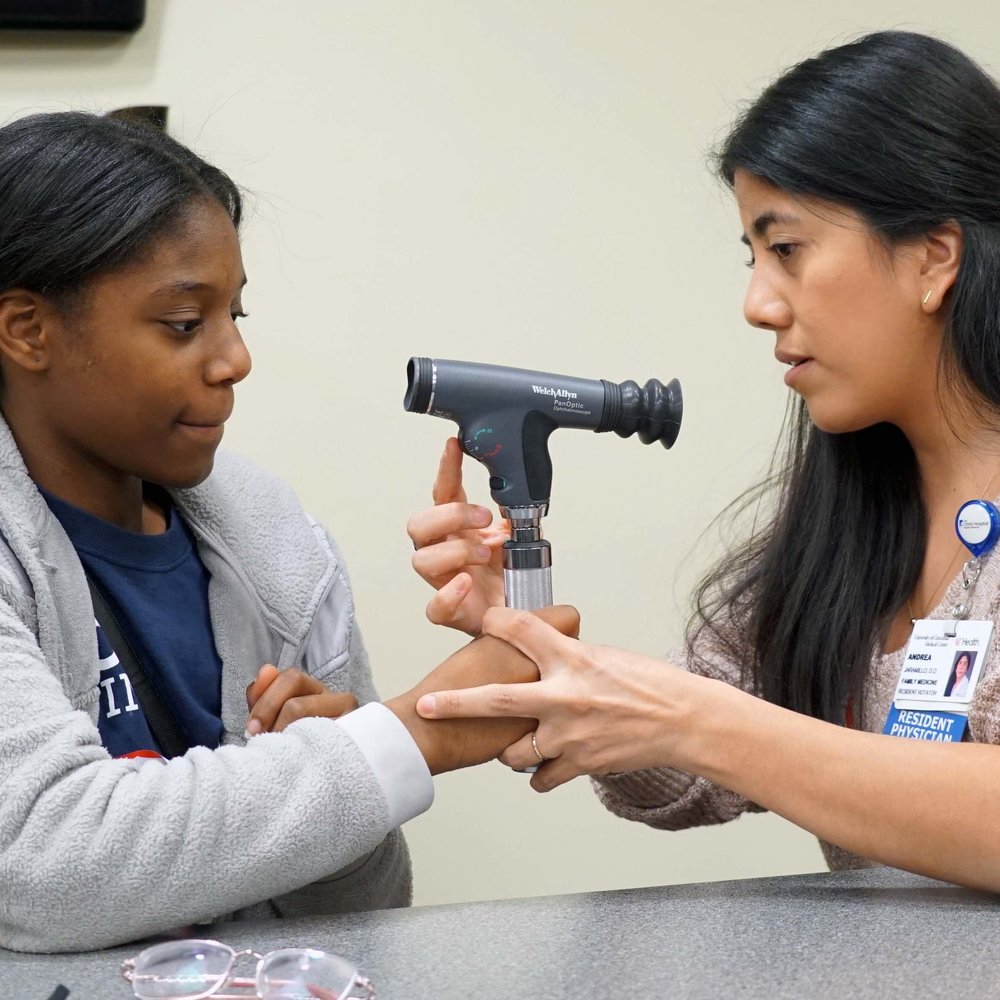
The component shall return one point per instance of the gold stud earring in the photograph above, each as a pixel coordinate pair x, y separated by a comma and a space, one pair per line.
926, 298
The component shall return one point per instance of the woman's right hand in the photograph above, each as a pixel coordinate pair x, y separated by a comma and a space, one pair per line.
447, 745
458, 550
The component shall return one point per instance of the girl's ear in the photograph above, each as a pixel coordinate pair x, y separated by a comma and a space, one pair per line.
942, 247
23, 330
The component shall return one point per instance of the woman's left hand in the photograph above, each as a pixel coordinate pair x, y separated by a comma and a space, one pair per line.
599, 709
277, 698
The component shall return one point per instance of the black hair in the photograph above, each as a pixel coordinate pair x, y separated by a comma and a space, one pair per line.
905, 130
82, 195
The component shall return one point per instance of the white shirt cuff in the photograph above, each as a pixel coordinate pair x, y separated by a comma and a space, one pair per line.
394, 758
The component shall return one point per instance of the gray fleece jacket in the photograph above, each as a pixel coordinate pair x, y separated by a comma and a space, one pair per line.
96, 851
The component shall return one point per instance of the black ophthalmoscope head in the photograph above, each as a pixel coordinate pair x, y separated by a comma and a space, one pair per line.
505, 416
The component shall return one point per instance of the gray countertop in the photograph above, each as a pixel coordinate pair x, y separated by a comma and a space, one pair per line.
874, 933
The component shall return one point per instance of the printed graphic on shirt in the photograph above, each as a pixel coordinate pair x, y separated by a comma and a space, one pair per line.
122, 725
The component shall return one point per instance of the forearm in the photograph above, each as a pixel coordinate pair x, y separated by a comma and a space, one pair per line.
379, 880
172, 844
932, 808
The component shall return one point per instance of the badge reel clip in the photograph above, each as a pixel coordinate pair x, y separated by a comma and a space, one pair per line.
977, 525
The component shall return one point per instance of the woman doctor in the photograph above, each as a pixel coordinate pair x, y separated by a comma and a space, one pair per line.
866, 182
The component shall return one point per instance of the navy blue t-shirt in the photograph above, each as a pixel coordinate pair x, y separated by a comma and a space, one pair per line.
157, 588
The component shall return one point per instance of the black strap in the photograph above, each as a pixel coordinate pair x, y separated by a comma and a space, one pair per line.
160, 719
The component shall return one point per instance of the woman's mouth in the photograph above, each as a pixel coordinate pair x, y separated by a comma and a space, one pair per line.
797, 370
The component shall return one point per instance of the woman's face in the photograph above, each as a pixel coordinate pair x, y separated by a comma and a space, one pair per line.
846, 315
139, 383
961, 668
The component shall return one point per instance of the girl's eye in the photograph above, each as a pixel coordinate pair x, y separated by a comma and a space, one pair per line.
239, 314
750, 263
185, 326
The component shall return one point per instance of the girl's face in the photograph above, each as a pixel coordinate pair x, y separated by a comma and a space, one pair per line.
847, 316
139, 384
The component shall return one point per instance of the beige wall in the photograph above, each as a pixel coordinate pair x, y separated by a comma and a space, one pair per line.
515, 182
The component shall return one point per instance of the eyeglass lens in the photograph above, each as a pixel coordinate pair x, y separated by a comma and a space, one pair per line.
305, 974
179, 970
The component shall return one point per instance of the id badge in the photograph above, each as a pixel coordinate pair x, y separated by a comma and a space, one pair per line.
943, 663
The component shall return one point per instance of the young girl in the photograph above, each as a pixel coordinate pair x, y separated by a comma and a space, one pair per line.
866, 181
121, 287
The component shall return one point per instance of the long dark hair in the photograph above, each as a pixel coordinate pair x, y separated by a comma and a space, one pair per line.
82, 195
905, 130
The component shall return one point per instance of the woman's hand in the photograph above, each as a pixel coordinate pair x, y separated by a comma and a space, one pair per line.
277, 698
453, 743
599, 709
457, 550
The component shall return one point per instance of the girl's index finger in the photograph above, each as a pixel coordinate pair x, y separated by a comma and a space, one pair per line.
448, 484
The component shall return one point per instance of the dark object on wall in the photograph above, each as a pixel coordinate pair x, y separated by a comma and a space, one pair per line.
153, 115
72, 15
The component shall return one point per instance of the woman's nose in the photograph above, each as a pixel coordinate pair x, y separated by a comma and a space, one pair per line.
763, 307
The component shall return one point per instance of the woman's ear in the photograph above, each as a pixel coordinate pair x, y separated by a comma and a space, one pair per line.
942, 256
23, 329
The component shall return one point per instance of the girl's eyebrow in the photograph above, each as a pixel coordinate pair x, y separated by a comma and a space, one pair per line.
188, 286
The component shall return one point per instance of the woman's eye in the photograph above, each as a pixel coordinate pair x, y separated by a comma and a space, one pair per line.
750, 263
239, 314
782, 250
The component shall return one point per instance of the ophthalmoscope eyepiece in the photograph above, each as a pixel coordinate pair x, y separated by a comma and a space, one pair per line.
505, 416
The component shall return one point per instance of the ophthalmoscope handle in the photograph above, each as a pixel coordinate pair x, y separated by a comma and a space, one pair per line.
527, 574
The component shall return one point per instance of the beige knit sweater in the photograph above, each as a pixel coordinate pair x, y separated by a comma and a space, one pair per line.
674, 800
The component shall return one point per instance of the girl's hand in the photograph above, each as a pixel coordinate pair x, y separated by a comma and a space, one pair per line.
447, 745
277, 698
599, 709
457, 550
